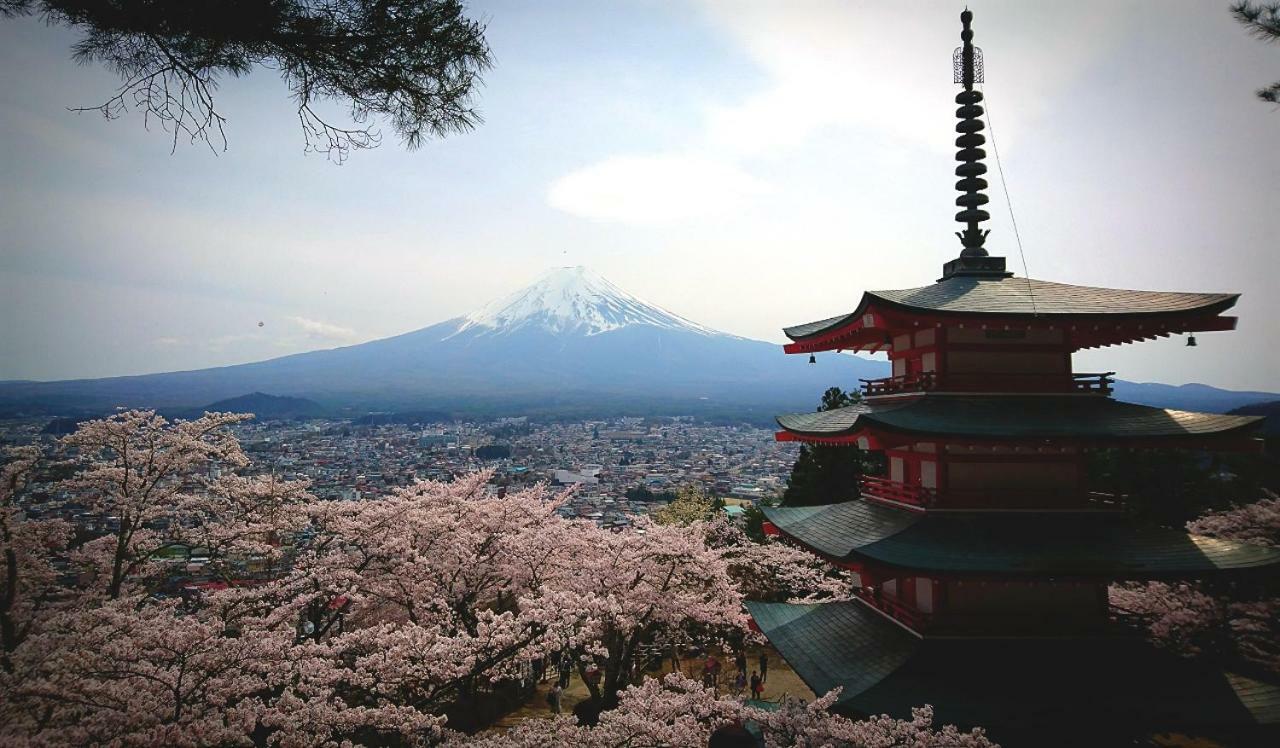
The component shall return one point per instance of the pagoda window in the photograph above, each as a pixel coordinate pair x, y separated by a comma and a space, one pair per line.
924, 594
897, 469
929, 473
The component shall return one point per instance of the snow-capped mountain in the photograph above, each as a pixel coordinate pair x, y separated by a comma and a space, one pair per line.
571, 301
570, 342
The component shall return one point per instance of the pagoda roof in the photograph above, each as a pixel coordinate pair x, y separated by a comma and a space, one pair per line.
1095, 683
1036, 544
1089, 418
1005, 299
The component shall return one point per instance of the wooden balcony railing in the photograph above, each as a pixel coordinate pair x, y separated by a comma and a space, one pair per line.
896, 609
1038, 497
890, 490
1100, 383
921, 382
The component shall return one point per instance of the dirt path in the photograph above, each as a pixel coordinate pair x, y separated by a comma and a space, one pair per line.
782, 680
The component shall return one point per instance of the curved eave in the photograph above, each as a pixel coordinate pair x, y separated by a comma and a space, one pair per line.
877, 316
1026, 420
1022, 545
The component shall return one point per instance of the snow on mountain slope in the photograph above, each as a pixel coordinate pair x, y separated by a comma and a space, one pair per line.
571, 301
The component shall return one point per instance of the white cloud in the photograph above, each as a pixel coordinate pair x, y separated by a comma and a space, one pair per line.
318, 330
834, 66
167, 341
654, 189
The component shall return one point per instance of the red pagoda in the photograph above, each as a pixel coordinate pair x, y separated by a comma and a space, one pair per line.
981, 558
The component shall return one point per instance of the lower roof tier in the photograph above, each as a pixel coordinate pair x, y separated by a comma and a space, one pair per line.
1072, 418
1102, 684
1032, 544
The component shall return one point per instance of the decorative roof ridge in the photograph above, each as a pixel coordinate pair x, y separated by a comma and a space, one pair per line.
968, 69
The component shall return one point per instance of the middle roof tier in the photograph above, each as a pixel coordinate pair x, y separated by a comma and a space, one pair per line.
1029, 419
1034, 544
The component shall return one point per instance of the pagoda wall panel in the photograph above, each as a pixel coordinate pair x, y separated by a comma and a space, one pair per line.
1012, 605
1012, 362
1012, 338
1010, 476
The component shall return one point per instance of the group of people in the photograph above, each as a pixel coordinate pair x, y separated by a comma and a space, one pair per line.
711, 674
710, 677
564, 667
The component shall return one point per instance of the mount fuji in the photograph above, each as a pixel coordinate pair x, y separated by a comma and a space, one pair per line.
570, 344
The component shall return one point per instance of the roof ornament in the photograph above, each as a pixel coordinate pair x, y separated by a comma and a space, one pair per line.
966, 64
967, 68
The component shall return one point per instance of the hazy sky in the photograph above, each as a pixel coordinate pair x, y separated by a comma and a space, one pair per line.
745, 165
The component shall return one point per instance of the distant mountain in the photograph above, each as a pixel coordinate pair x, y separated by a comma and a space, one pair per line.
571, 344
1198, 397
1270, 409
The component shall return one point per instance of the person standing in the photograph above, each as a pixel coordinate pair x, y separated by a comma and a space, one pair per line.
741, 661
564, 670
764, 667
553, 698
739, 684
757, 686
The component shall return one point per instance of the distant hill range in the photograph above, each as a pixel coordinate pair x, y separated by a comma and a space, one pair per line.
265, 407
1270, 409
570, 345
1200, 397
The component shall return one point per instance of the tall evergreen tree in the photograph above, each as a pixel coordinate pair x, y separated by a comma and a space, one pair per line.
826, 474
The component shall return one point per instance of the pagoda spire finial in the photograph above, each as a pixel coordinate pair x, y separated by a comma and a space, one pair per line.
967, 68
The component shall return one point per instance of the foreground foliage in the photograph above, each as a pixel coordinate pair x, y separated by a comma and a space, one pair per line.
392, 621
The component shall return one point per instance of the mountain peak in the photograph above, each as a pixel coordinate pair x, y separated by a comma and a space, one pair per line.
575, 301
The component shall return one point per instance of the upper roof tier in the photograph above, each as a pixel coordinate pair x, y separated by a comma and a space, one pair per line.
1093, 421
1091, 316
1018, 544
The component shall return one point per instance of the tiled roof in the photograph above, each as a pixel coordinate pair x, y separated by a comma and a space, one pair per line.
1109, 685
1014, 544
1025, 297
1015, 417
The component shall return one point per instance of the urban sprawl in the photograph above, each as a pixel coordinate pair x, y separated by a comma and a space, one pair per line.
619, 468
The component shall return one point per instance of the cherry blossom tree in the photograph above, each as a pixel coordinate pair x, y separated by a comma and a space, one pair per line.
630, 589
1196, 618
774, 570
431, 595
135, 472
29, 582
1258, 522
